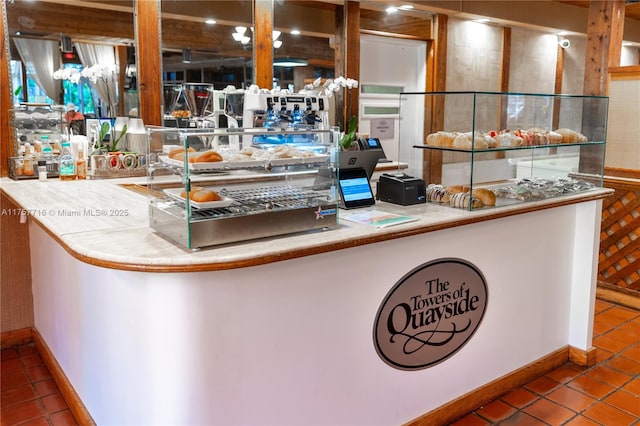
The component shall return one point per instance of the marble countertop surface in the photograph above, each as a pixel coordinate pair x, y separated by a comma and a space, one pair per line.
102, 222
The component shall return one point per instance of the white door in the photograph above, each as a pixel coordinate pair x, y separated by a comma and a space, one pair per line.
389, 66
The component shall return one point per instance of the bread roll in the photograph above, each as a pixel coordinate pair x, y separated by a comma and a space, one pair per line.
463, 199
507, 138
175, 152
456, 189
204, 195
480, 141
183, 194
486, 196
207, 157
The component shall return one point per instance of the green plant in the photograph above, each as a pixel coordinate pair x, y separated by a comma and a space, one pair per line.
114, 145
350, 134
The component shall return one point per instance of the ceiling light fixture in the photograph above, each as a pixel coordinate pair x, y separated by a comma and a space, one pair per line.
243, 39
290, 62
295, 32
391, 9
210, 21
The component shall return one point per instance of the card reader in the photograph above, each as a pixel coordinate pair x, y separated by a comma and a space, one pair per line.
400, 188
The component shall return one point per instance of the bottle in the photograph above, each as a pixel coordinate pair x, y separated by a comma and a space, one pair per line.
28, 160
67, 163
81, 165
42, 170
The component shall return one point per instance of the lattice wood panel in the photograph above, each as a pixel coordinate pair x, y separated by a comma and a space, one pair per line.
619, 262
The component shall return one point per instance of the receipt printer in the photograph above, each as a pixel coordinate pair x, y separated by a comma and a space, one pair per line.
400, 188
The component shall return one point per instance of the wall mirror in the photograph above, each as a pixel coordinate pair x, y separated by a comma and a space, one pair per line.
74, 37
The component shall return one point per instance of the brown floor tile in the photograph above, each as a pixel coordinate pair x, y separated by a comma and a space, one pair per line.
10, 366
625, 401
602, 305
624, 365
32, 360
11, 380
619, 313
622, 335
565, 373
470, 420
22, 412
54, 403
603, 355
581, 421
496, 411
522, 419
570, 398
549, 412
16, 395
608, 343
519, 397
40, 421
45, 387
29, 348
541, 385
9, 353
591, 386
63, 418
632, 353
38, 373
607, 415
608, 375
633, 387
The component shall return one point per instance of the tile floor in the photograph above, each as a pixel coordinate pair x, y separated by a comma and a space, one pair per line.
607, 394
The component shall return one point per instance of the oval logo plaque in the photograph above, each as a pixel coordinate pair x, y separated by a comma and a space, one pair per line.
430, 314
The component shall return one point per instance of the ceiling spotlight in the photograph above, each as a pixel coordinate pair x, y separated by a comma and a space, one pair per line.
564, 43
406, 7
210, 21
391, 9
295, 32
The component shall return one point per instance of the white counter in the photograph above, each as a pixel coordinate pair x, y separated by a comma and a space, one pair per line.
280, 331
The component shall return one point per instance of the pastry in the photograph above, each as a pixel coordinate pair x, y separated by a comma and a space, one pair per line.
486, 196
179, 152
456, 188
183, 194
207, 157
438, 194
463, 199
204, 195
571, 136
441, 138
508, 138
480, 141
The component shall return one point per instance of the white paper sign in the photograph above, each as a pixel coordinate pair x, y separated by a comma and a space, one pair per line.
382, 128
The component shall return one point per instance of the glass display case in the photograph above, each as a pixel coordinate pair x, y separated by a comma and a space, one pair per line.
217, 186
482, 150
33, 121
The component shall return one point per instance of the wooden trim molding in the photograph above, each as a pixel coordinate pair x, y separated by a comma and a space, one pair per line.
12, 338
583, 358
618, 295
6, 141
79, 411
459, 407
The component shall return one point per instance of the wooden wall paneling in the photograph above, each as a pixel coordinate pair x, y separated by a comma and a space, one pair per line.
263, 43
340, 67
121, 54
604, 33
6, 134
352, 58
147, 17
434, 108
505, 66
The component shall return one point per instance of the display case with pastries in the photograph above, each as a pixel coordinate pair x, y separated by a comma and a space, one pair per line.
487, 149
216, 186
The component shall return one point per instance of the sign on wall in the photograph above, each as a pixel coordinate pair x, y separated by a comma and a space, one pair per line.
430, 314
